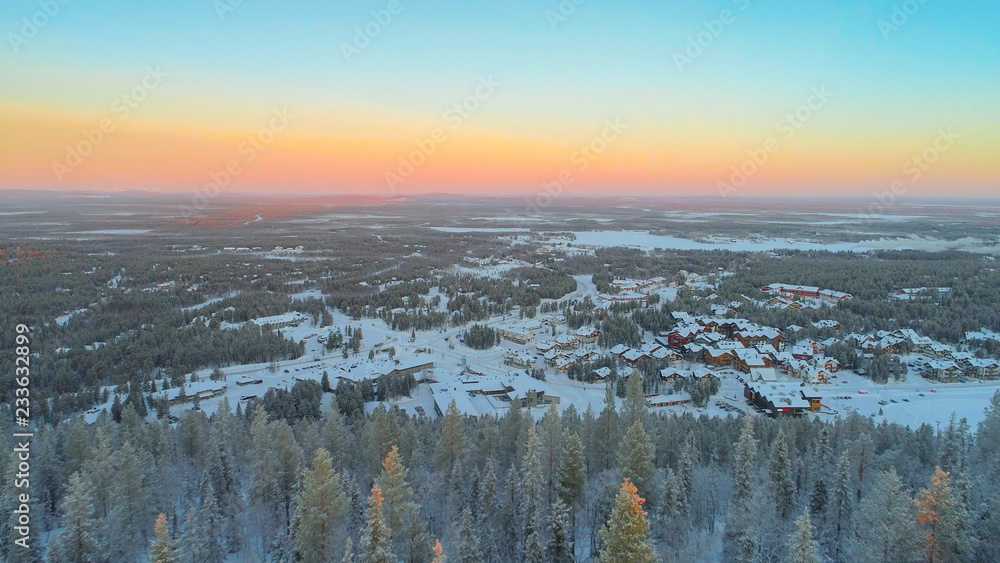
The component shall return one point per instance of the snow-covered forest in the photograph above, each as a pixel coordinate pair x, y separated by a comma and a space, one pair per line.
615, 485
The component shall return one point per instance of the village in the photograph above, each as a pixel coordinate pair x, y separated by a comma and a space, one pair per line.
751, 369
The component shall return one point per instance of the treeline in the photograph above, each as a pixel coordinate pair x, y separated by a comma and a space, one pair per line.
247, 486
481, 337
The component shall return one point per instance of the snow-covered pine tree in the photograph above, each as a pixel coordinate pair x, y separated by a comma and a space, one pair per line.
376, 544
843, 505
685, 470
551, 438
636, 459
625, 536
561, 543
944, 520
802, 548
672, 497
744, 462
887, 523
606, 433
467, 545
451, 445
634, 408
530, 493
321, 509
781, 478
401, 513
163, 549
80, 541
572, 472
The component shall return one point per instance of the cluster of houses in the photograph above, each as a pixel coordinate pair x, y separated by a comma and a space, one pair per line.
649, 351
788, 296
564, 350
939, 362
628, 291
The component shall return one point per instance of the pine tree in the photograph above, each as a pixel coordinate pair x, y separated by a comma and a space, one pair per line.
672, 498
886, 523
634, 408
467, 545
744, 462
842, 504
944, 520
163, 548
551, 450
561, 546
572, 473
781, 478
195, 543
802, 548
636, 458
402, 514
531, 482
451, 446
376, 543
80, 540
686, 470
321, 509
625, 535
606, 432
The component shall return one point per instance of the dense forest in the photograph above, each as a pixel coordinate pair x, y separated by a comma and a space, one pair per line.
282, 483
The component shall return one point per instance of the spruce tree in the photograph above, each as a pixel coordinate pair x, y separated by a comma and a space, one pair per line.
572, 473
781, 477
80, 541
625, 536
561, 545
606, 432
744, 462
634, 408
467, 544
802, 548
636, 458
451, 445
321, 509
887, 523
401, 513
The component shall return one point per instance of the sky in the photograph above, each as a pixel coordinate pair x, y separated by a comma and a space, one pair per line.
584, 97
